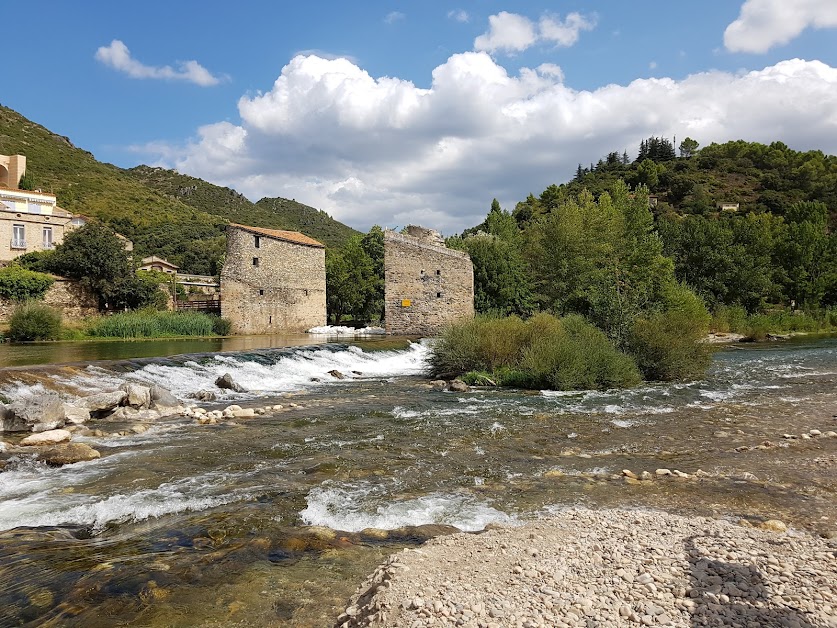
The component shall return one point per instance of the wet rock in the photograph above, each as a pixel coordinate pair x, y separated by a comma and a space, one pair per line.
244, 413
76, 415
138, 396
38, 413
123, 413
160, 397
458, 385
645, 475
439, 384
50, 437
336, 374
663, 472
629, 474
103, 402
226, 382
68, 453
204, 395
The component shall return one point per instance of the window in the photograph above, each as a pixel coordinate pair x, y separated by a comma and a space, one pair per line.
256, 262
438, 272
438, 295
261, 292
18, 236
48, 238
258, 241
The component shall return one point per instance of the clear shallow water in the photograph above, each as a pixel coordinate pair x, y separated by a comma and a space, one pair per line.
188, 524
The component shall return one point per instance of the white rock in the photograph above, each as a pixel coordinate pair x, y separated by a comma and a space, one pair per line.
243, 413
50, 437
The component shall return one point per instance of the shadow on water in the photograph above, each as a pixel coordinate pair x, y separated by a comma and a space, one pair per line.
748, 599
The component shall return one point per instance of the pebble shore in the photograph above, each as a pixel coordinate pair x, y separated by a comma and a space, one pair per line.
607, 568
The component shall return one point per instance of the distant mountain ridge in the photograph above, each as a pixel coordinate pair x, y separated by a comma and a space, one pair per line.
176, 216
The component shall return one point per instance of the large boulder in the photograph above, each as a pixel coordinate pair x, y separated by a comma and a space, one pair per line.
160, 397
76, 415
38, 413
139, 396
103, 402
68, 453
226, 382
458, 385
50, 437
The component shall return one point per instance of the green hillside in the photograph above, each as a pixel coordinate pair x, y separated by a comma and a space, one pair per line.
273, 213
174, 216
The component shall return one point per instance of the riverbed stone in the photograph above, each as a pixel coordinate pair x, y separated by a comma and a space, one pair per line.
38, 413
226, 382
103, 402
68, 453
774, 525
50, 437
336, 374
138, 396
204, 395
458, 385
75, 415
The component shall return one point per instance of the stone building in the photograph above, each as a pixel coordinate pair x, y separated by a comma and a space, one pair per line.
272, 281
426, 285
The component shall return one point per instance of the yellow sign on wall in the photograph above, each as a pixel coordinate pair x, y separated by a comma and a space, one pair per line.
406, 302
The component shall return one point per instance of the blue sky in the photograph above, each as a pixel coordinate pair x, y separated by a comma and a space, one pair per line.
396, 112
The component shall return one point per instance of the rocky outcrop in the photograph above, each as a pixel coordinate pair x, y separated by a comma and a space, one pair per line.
50, 437
75, 415
37, 413
103, 402
138, 396
458, 385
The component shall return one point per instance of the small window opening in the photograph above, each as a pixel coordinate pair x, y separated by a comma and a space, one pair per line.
438, 295
306, 293
438, 272
422, 272
270, 320
256, 261
261, 292
258, 241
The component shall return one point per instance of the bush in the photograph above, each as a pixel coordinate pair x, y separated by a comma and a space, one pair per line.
669, 345
19, 284
221, 326
34, 321
40, 261
543, 352
152, 324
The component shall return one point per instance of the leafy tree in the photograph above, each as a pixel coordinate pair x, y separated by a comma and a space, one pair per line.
351, 281
20, 284
27, 181
373, 244
688, 147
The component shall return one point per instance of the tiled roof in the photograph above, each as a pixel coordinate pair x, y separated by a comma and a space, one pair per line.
288, 236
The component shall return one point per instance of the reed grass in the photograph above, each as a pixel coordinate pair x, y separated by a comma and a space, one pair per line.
154, 324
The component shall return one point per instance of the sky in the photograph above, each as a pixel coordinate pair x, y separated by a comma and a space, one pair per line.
417, 112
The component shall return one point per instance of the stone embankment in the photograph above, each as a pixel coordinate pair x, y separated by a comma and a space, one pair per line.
607, 568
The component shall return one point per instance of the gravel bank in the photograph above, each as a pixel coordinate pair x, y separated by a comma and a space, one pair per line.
607, 568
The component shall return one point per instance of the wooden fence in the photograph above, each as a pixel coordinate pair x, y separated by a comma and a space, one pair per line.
211, 306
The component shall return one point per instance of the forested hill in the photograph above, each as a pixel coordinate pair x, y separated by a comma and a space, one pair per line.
273, 213
186, 228
761, 178
750, 227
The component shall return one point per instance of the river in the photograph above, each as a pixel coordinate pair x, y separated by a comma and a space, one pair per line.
211, 525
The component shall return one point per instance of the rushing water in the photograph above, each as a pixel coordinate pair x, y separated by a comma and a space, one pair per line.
188, 525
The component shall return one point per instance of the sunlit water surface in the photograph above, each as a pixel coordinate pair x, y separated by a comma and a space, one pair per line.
210, 525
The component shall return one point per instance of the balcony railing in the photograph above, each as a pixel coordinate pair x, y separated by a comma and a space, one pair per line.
47, 246
18, 244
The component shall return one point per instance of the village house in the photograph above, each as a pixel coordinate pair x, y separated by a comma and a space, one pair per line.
730, 207
152, 262
272, 281
29, 220
426, 285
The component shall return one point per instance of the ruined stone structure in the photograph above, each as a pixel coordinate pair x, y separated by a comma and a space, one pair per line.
272, 281
426, 284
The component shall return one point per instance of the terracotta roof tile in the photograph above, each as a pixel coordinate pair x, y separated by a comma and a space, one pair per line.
288, 236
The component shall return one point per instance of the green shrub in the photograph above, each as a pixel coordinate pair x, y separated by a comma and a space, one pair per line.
543, 352
34, 321
152, 324
40, 261
669, 345
19, 284
221, 326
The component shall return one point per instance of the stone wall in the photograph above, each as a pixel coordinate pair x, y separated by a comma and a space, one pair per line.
284, 291
426, 284
65, 295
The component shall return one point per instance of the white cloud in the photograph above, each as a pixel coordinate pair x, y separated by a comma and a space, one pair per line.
459, 15
382, 150
652, 65
394, 16
565, 33
510, 32
507, 31
763, 24
118, 57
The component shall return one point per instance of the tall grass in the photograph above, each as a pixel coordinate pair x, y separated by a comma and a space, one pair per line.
34, 321
543, 352
154, 324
